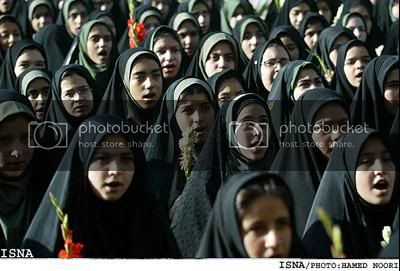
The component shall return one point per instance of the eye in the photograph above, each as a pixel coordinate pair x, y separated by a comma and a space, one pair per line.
4, 140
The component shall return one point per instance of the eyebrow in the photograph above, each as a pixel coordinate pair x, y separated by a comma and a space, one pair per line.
370, 153
143, 72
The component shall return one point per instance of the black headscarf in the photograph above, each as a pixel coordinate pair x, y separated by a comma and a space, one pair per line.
392, 40
149, 45
4, 19
172, 4
56, 42
326, 41
215, 16
392, 249
217, 79
333, 6
252, 73
361, 223
283, 16
31, 5
7, 74
368, 106
281, 99
131, 227
162, 148
311, 17
219, 159
207, 43
117, 99
240, 28
342, 85
288, 30
19, 196
222, 237
299, 162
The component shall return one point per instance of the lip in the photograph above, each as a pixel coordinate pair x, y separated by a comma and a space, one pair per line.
15, 164
199, 129
80, 108
169, 68
112, 186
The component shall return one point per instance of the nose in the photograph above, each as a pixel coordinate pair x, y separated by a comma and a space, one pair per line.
271, 240
200, 19
148, 83
357, 33
254, 40
197, 116
222, 63
168, 55
78, 97
16, 150
378, 167
113, 167
101, 42
79, 20
314, 40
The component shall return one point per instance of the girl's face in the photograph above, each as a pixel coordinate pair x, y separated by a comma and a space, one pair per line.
9, 34
356, 25
150, 23
324, 10
290, 46
297, 13
252, 37
273, 60
112, 168
189, 37
391, 91
6, 6
376, 173
356, 60
367, 17
99, 44
237, 16
229, 88
162, 6
15, 152
340, 40
169, 53
395, 9
145, 84
312, 33
37, 93
41, 17
307, 79
76, 96
77, 16
266, 228
330, 123
221, 57
29, 58
202, 15
195, 113
252, 131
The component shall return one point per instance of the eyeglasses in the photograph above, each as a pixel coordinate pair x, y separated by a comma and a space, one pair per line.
273, 62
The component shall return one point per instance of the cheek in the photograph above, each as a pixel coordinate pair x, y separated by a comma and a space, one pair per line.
210, 68
364, 179
253, 246
333, 57
96, 178
392, 95
348, 71
183, 121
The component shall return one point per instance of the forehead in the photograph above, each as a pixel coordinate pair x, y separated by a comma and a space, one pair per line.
7, 25
199, 7
252, 27
342, 38
151, 19
38, 83
30, 54
197, 97
77, 6
144, 63
41, 8
186, 25
252, 109
307, 71
99, 29
357, 50
267, 208
274, 51
221, 47
354, 20
331, 110
230, 82
73, 80
14, 123
285, 38
120, 144
300, 7
166, 41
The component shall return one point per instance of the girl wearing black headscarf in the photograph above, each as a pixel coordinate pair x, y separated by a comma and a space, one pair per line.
263, 66
385, 15
352, 59
106, 17
9, 27
21, 185
292, 40
166, 7
205, 63
329, 42
34, 83
188, 105
164, 39
233, 11
136, 87
249, 32
311, 27
188, 29
360, 192
207, 17
72, 24
227, 235
109, 211
355, 22
40, 13
229, 149
328, 9
293, 11
392, 249
318, 119
56, 42
375, 103
291, 82
19, 57
227, 84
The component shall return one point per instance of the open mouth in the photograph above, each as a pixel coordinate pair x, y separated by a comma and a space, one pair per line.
113, 185
40, 110
80, 108
169, 67
359, 75
103, 53
381, 185
199, 129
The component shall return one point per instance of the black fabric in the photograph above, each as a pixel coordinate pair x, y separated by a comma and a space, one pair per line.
131, 227
166, 178
56, 42
26, 189
394, 138
237, 31
391, 251
368, 106
117, 100
299, 162
288, 30
222, 237
281, 99
252, 73
361, 223
172, 4
7, 74
4, 19
218, 160
215, 16
326, 41
333, 6
61, 20
283, 16
391, 46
